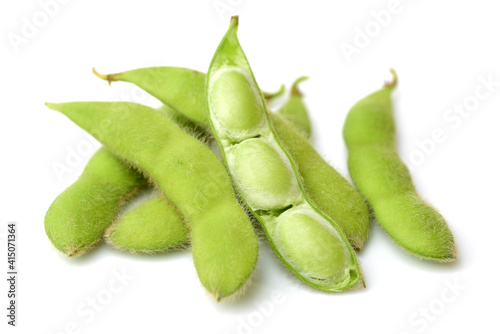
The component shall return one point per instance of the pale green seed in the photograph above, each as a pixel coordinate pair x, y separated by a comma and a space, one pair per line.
322, 258
236, 108
265, 176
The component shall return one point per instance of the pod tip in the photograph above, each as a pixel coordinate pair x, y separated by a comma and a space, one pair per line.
394, 82
50, 105
295, 86
234, 20
108, 77
272, 95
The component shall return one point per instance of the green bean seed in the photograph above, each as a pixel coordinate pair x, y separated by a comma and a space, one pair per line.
236, 93
296, 227
265, 175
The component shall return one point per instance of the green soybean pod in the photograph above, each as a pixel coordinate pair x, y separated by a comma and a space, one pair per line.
384, 180
77, 218
154, 226
329, 190
295, 111
307, 241
182, 88
224, 243
195, 129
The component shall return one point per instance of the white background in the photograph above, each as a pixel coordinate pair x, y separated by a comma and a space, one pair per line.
441, 49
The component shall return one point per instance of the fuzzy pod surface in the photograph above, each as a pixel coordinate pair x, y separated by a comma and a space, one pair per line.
381, 176
181, 88
152, 227
307, 241
156, 226
224, 243
77, 218
328, 189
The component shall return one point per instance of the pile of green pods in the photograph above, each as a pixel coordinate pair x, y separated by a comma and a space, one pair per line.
224, 165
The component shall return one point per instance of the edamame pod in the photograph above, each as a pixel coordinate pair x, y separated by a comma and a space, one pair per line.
153, 215
77, 218
329, 190
156, 225
182, 88
308, 242
152, 227
224, 243
295, 112
384, 180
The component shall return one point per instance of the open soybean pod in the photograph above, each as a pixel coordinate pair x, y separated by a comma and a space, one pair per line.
384, 180
308, 242
224, 243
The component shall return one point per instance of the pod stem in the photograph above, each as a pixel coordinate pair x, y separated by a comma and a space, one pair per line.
234, 21
108, 77
394, 82
295, 86
272, 95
